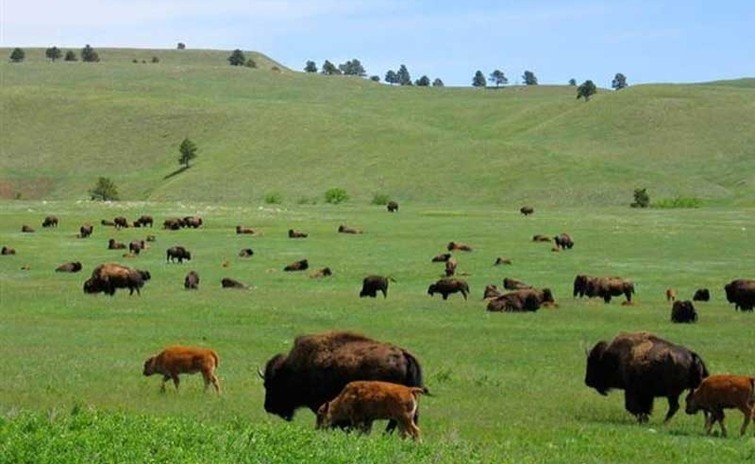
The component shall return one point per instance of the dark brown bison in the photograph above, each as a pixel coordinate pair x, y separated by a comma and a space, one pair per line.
107, 222
74, 266
86, 230
348, 230
500, 261
227, 282
683, 312
563, 241
441, 258
245, 230
172, 224
451, 266
491, 291
528, 299
7, 251
540, 238
50, 221
193, 222
447, 286
120, 222
27, 229
136, 246
324, 272
741, 292
144, 221
113, 244
513, 284
296, 234
701, 294
108, 277
191, 281
177, 253
645, 367
301, 265
603, 287
319, 366
454, 246
374, 283
246, 253
392, 206
526, 210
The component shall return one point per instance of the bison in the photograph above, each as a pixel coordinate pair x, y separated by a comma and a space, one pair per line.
107, 222
227, 282
449, 285
683, 312
120, 222
741, 292
50, 221
245, 230
540, 238
175, 360
319, 366
348, 230
719, 392
701, 294
324, 272
144, 221
172, 224
374, 283
603, 287
192, 221
528, 299
86, 230
453, 246
301, 265
392, 206
136, 246
177, 253
296, 234
563, 241
670, 294
27, 229
451, 266
7, 251
500, 261
526, 210
74, 266
491, 291
246, 253
441, 258
644, 366
108, 277
363, 401
113, 244
514, 284
191, 281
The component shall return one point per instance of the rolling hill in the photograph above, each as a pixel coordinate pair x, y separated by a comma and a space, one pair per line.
273, 130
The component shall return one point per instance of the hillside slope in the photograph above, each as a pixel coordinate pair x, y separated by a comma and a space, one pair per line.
262, 130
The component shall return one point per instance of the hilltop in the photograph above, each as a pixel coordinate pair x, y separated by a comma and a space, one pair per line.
273, 130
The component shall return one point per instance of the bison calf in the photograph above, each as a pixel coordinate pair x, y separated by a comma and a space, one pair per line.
363, 401
324, 272
670, 294
176, 360
719, 392
301, 265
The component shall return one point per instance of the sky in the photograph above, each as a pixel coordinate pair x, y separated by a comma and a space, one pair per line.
649, 41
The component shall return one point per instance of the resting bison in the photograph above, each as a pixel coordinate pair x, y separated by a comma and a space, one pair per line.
701, 294
441, 258
526, 210
319, 366
50, 221
172, 224
74, 266
136, 246
191, 281
374, 283
296, 234
107, 222
120, 222
177, 253
529, 299
741, 292
244, 230
108, 277
192, 221
499, 261
86, 230
348, 230
227, 282
603, 287
176, 360
645, 367
112, 244
513, 284
301, 265
324, 272
452, 246
144, 221
7, 251
246, 253
27, 229
540, 238
563, 241
683, 311
491, 291
392, 206
449, 285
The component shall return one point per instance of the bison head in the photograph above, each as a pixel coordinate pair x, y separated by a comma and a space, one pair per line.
598, 370
432, 289
580, 285
149, 366
278, 384
93, 285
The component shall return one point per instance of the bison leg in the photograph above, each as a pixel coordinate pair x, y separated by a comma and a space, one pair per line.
673, 406
639, 406
747, 411
445, 296
385, 292
464, 294
607, 298
174, 376
165, 380
211, 378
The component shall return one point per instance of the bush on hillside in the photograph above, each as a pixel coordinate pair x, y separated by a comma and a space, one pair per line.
641, 199
380, 199
679, 202
104, 190
336, 195
273, 198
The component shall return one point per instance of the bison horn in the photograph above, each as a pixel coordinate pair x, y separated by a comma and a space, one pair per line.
259, 372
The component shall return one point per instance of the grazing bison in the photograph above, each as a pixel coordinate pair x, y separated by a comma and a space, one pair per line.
719, 392
319, 366
449, 285
108, 277
491, 291
324, 272
670, 294
348, 230
701, 294
296, 234
683, 312
453, 246
86, 230
227, 282
392, 206
528, 299
192, 221
144, 221
441, 258
451, 266
172, 224
191, 281
176, 360
741, 292
120, 222
136, 246
27, 229
246, 253
244, 230
113, 244
301, 265
374, 283
363, 401
645, 367
563, 241
603, 287
499, 261
74, 266
50, 221
7, 251
177, 253
513, 284
526, 210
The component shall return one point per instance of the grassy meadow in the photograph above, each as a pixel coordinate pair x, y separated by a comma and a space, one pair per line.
508, 387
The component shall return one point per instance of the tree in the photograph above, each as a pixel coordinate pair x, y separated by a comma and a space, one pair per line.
188, 150
310, 67
375, 78
53, 53
641, 198
438, 83
70, 56
619, 81
250, 63
329, 69
529, 78
423, 81
181, 46
17, 55
498, 78
391, 77
104, 190
587, 89
237, 58
479, 79
573, 82
88, 55
352, 68
403, 76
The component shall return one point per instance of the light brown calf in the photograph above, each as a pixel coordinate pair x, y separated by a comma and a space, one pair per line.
670, 294
363, 401
176, 360
719, 392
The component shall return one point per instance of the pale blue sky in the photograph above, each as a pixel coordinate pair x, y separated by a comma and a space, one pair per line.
648, 41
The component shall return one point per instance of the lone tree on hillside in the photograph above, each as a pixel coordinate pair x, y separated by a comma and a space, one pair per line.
237, 58
619, 81
403, 76
375, 78
498, 78
641, 198
310, 67
70, 56
17, 55
529, 78
104, 190
479, 79
188, 150
329, 69
53, 53
586, 90
88, 55
391, 77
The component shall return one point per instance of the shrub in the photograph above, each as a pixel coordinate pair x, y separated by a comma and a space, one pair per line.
679, 202
641, 199
104, 190
381, 199
336, 195
273, 198
155, 59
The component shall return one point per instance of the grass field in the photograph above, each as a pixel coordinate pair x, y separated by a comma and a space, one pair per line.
508, 387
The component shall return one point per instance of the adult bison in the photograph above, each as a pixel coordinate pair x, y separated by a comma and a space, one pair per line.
191, 281
448, 285
86, 230
344, 229
177, 253
522, 300
120, 222
563, 241
300, 265
701, 294
136, 246
320, 365
144, 221
50, 221
227, 282
526, 210
441, 258
113, 244
454, 246
293, 233
603, 287
373, 284
644, 366
741, 292
192, 221
7, 251
514, 284
172, 224
683, 312
108, 277
74, 266
392, 206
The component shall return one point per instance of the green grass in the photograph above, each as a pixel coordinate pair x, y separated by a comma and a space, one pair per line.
508, 387
261, 131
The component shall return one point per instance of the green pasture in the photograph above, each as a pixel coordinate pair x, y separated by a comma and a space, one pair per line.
508, 387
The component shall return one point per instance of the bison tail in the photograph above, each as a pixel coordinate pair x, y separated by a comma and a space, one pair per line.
391, 279
413, 371
216, 358
698, 371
